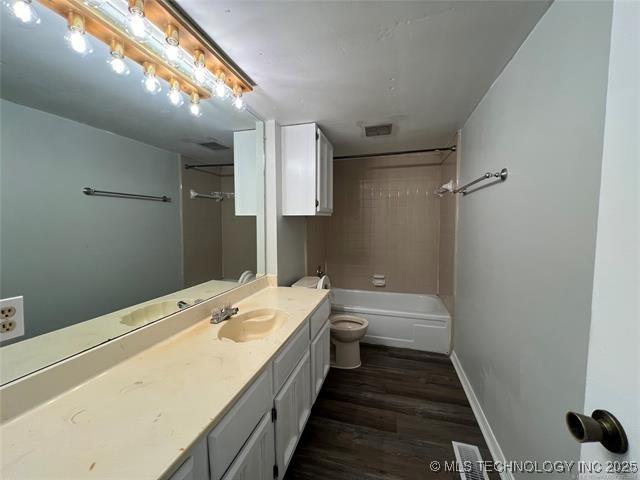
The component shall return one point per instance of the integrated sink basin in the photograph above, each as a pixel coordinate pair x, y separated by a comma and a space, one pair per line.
252, 325
153, 311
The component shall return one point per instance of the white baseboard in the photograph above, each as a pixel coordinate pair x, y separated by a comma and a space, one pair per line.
485, 428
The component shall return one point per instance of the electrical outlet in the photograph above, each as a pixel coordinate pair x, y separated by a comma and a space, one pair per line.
11, 318
7, 326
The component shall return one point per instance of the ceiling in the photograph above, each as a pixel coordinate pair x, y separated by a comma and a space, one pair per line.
39, 71
421, 65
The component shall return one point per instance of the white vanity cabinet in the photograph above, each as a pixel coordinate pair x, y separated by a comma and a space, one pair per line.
196, 466
228, 437
307, 171
255, 460
256, 439
293, 406
320, 361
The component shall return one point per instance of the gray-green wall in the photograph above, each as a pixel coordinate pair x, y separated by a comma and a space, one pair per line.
525, 254
75, 257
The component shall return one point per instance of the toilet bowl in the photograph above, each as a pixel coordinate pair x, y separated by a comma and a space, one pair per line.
346, 333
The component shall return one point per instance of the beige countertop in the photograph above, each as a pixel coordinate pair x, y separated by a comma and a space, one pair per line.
137, 419
22, 358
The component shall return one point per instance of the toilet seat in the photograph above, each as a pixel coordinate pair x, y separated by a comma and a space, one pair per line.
346, 333
347, 322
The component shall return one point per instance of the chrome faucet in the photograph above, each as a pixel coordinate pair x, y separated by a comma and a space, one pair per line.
223, 313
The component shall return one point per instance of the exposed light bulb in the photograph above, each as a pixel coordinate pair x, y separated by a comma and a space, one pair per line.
151, 84
238, 101
200, 69
220, 86
200, 75
175, 95
75, 37
24, 12
171, 45
119, 66
150, 81
116, 60
194, 108
137, 24
172, 53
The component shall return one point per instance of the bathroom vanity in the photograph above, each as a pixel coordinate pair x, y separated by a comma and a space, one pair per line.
196, 405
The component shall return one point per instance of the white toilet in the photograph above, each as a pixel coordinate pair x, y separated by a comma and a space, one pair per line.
346, 333
346, 330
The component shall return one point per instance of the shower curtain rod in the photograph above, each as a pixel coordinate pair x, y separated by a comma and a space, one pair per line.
207, 165
452, 148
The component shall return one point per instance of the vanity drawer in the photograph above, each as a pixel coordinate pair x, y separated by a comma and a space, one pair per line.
228, 437
317, 319
289, 357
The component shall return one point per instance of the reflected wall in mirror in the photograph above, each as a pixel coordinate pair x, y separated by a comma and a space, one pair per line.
90, 266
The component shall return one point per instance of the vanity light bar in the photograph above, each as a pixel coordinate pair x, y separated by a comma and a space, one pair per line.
166, 24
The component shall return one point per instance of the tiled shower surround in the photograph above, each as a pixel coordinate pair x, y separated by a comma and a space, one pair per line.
387, 221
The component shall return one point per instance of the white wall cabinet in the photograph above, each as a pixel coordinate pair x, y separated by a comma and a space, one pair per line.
246, 173
307, 171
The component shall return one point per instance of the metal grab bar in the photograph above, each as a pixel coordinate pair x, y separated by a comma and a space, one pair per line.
502, 175
137, 196
217, 196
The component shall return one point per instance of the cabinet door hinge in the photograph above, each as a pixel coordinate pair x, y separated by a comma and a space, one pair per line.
317, 136
274, 414
275, 471
317, 203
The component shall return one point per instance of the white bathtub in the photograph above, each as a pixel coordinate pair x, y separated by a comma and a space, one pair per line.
405, 320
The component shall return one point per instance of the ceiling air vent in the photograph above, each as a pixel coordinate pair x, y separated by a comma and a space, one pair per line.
377, 130
213, 146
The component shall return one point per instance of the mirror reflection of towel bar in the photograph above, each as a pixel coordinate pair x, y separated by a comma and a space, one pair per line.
137, 196
217, 196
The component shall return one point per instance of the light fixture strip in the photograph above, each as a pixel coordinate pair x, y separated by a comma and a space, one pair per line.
158, 11
110, 19
237, 79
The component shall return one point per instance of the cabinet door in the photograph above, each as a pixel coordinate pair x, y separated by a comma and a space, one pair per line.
230, 434
299, 147
324, 174
196, 466
329, 178
245, 168
293, 405
256, 459
320, 351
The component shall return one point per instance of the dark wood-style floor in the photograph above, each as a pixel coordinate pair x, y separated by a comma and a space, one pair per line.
387, 419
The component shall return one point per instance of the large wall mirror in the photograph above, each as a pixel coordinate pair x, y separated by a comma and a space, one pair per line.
117, 207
